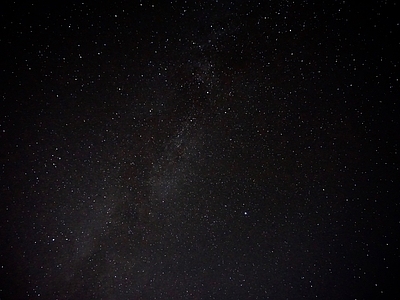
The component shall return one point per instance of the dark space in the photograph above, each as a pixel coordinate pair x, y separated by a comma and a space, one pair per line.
199, 150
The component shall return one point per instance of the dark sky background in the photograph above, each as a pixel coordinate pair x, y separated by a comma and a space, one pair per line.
199, 150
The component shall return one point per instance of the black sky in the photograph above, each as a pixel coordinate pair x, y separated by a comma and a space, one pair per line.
201, 150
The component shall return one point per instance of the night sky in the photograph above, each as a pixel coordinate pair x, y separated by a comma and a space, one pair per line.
200, 150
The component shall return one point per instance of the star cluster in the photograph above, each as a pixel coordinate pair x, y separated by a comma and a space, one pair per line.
203, 149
